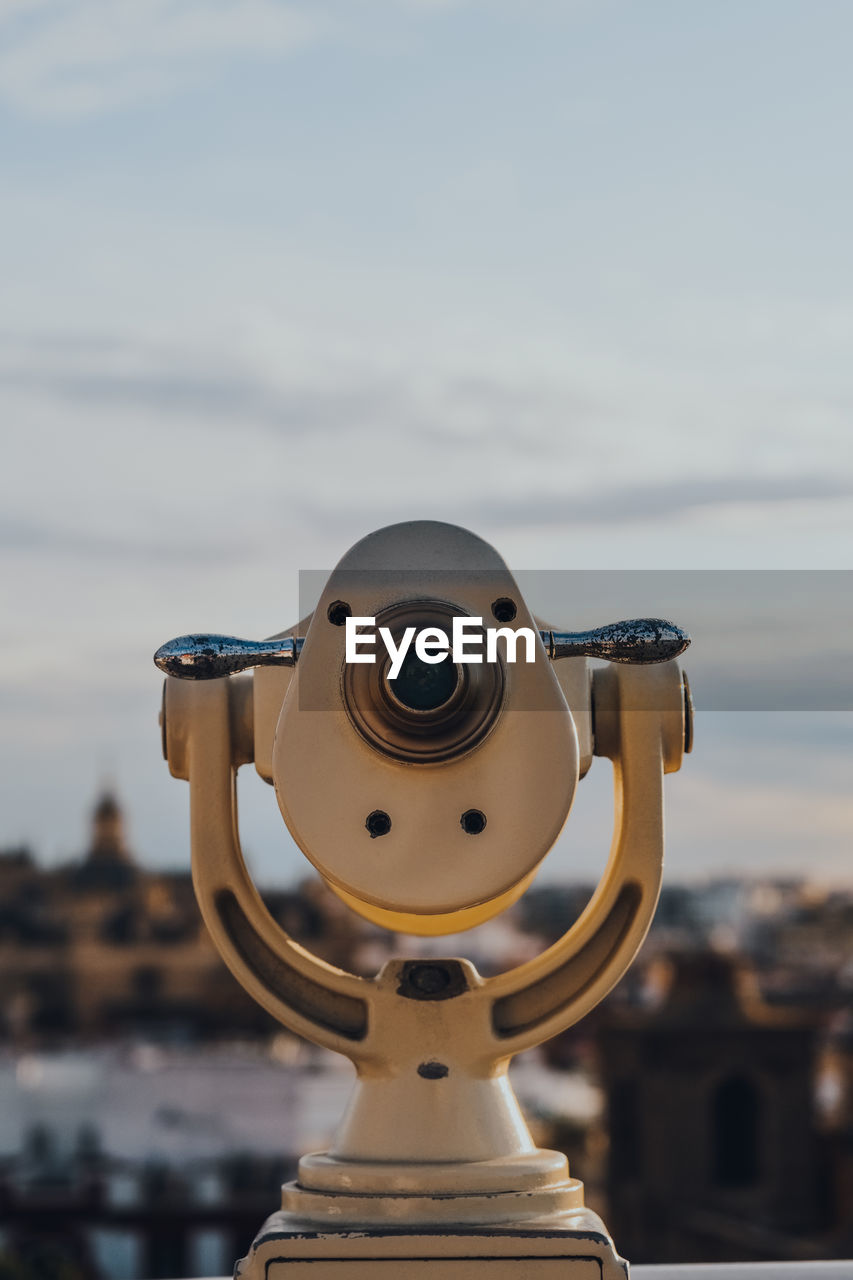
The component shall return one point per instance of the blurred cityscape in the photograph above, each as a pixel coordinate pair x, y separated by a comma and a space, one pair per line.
150, 1109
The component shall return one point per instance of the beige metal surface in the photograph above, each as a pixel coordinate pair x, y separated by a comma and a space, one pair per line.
522, 774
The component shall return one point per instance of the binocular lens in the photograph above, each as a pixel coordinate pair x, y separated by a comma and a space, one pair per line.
425, 686
429, 711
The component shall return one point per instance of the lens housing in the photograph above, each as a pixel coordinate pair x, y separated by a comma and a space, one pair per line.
432, 711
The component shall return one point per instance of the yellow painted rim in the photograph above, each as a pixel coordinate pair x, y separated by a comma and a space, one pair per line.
431, 926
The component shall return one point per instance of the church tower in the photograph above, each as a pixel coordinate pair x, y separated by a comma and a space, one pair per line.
107, 863
714, 1153
108, 837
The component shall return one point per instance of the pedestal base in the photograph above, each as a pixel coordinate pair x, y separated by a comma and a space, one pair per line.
578, 1249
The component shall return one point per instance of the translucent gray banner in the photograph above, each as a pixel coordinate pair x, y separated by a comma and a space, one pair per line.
770, 640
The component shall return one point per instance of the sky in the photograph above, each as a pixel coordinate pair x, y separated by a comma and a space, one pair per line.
575, 275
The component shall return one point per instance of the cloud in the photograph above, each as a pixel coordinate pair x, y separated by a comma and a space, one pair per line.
627, 504
82, 57
500, 427
190, 386
77, 58
601, 504
219, 389
163, 388
23, 537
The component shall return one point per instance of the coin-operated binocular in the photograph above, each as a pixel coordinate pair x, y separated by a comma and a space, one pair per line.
425, 774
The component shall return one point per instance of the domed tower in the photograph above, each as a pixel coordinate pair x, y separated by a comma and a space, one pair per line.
108, 839
108, 863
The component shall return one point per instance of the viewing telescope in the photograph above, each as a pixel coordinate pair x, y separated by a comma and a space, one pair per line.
426, 781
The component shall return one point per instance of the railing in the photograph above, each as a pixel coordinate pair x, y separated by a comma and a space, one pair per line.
833, 1270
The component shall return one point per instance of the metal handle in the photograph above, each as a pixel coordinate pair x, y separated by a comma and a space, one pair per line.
209, 657
206, 657
639, 640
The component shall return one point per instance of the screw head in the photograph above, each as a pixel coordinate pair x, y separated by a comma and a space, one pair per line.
378, 823
433, 1070
504, 609
473, 821
338, 612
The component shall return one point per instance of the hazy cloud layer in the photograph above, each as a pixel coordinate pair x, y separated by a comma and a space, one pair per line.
377, 411
81, 57
78, 58
277, 273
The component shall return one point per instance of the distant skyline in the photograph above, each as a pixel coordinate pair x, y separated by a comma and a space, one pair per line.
575, 275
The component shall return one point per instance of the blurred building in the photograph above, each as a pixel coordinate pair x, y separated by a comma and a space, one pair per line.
103, 947
133, 1143
717, 1148
148, 1146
